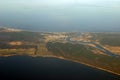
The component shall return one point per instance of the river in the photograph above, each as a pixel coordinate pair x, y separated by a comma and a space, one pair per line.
98, 46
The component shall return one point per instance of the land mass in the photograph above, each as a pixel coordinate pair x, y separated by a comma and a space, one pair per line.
99, 50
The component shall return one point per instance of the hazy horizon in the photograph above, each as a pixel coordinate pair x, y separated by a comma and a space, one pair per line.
62, 15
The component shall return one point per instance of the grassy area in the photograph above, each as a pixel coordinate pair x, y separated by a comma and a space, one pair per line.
20, 36
29, 42
10, 52
29, 39
112, 39
82, 54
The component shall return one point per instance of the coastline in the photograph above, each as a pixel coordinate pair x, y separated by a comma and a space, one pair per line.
89, 65
83, 63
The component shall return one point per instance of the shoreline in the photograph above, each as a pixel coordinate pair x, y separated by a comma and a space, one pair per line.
83, 63
86, 64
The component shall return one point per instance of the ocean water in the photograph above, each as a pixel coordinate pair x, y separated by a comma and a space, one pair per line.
39, 68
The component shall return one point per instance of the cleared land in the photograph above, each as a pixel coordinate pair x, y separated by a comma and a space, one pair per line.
110, 41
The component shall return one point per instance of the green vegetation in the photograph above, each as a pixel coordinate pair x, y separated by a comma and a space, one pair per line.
23, 46
19, 36
31, 43
112, 39
67, 48
29, 39
11, 52
82, 54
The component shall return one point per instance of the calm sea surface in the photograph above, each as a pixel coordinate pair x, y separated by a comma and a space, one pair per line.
36, 68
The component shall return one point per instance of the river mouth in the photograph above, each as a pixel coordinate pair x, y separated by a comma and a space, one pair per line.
36, 68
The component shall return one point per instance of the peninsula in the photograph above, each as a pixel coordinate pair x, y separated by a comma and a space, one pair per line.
96, 49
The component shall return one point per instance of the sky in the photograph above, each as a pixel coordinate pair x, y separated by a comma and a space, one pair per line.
61, 15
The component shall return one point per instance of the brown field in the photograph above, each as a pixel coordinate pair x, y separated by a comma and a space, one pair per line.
114, 49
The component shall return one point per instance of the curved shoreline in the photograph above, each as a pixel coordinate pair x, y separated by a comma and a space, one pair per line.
86, 64
89, 65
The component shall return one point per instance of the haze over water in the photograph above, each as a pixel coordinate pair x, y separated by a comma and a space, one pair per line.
61, 15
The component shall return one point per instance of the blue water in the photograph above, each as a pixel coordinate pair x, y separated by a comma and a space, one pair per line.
37, 68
